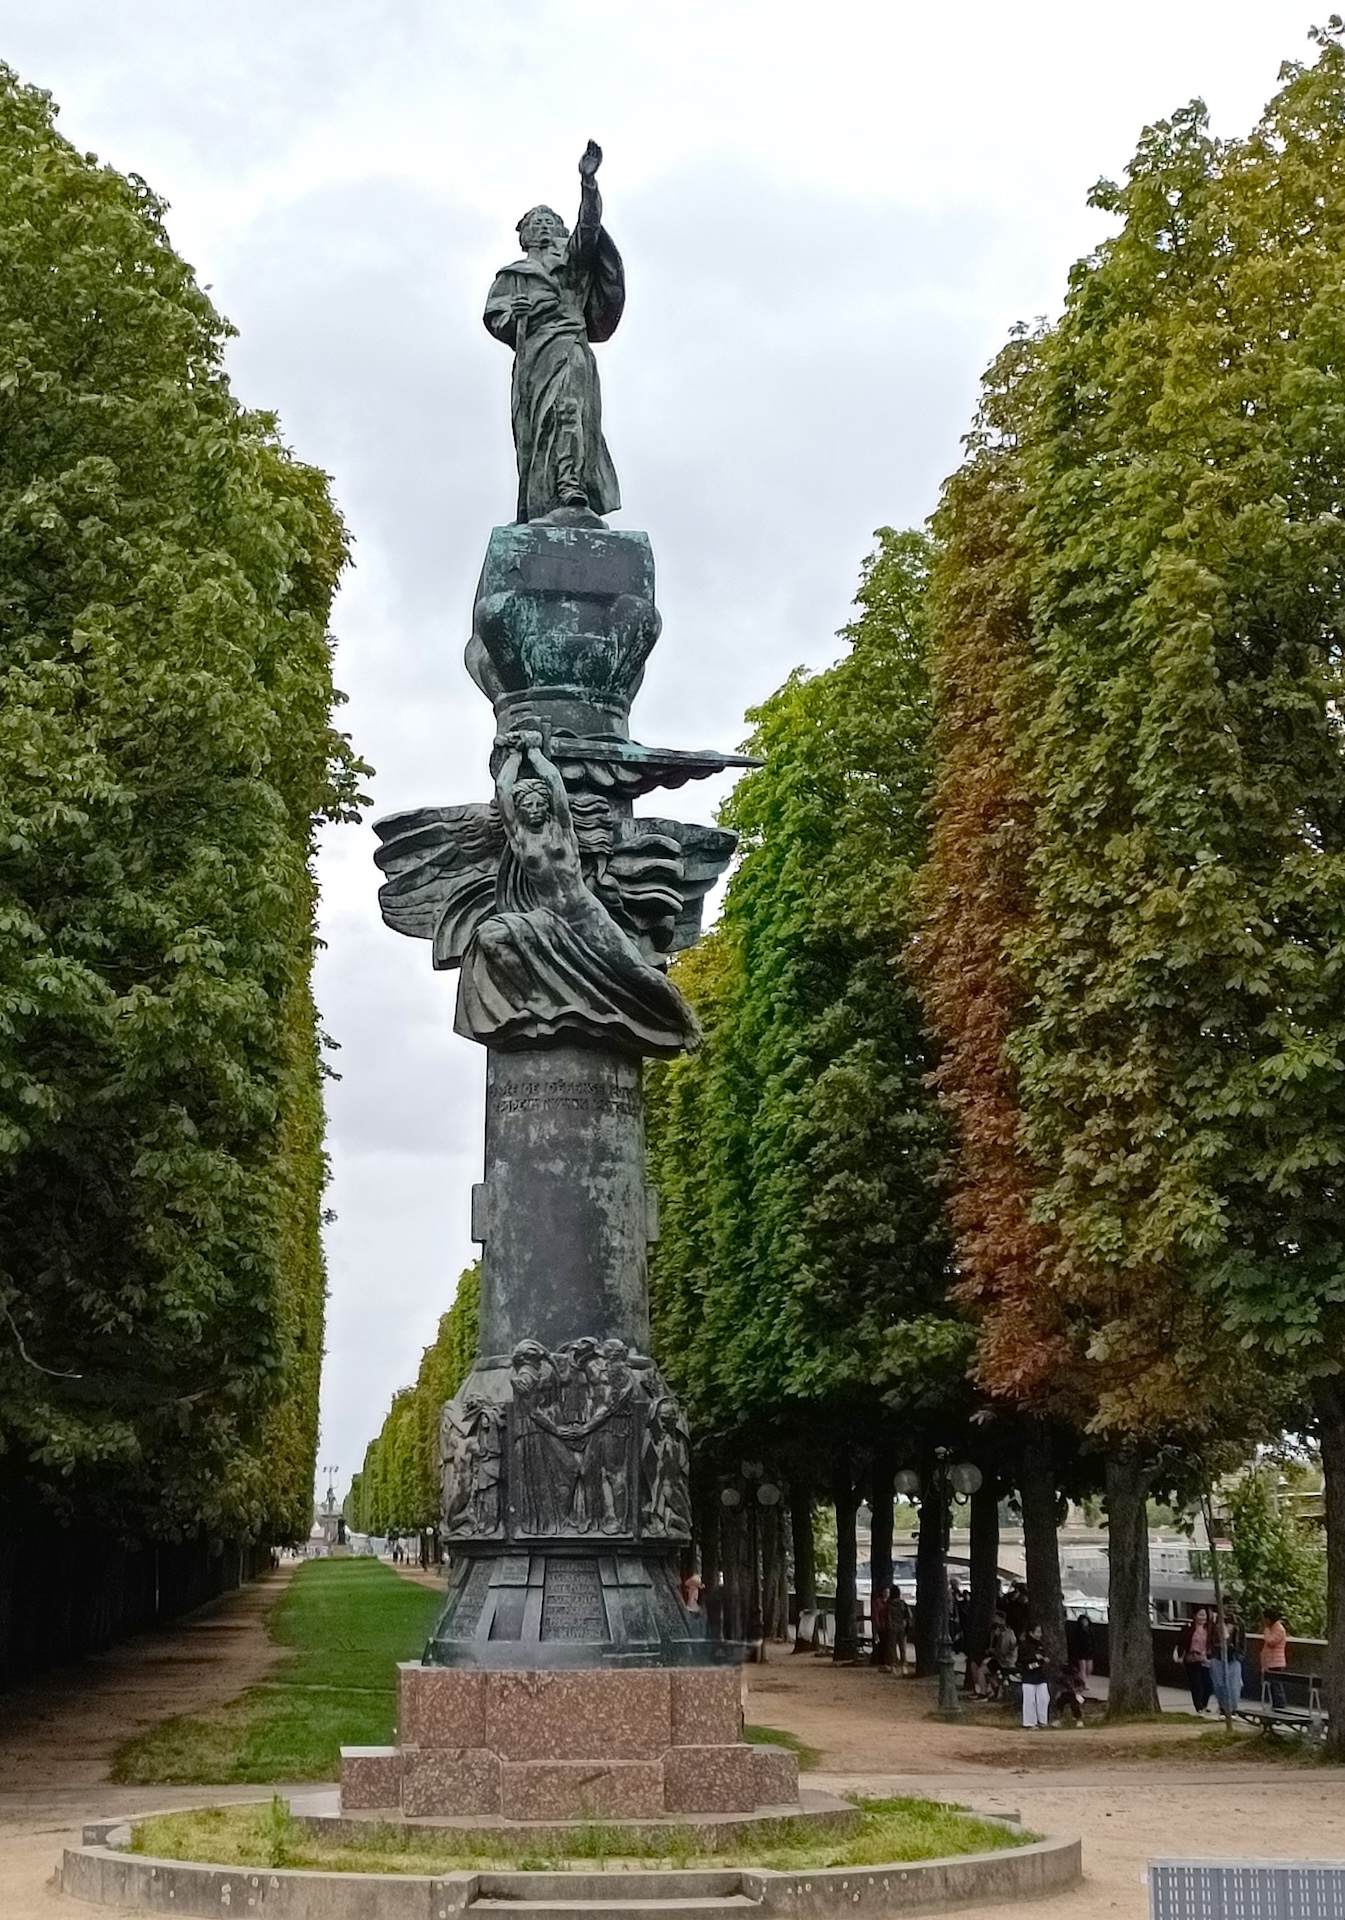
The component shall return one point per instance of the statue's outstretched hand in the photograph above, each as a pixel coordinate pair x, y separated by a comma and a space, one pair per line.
591, 161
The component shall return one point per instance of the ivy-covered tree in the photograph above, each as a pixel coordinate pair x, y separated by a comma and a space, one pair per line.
166, 750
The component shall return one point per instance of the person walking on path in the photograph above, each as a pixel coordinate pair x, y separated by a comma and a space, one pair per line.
1036, 1680
1193, 1652
1079, 1644
1228, 1643
1274, 1657
1002, 1656
1069, 1693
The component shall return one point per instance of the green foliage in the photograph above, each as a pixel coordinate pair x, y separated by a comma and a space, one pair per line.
166, 573
397, 1489
347, 1624
1278, 1560
1181, 1061
795, 1154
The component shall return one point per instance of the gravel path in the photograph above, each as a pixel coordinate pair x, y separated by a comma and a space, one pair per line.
1127, 1795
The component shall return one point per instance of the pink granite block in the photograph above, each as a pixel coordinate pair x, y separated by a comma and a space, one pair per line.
581, 1790
776, 1771
438, 1780
598, 1714
707, 1706
371, 1777
440, 1706
709, 1780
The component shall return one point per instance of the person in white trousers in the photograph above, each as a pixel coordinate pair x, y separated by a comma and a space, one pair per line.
1036, 1682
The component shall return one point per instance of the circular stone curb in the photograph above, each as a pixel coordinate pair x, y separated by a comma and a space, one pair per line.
102, 1873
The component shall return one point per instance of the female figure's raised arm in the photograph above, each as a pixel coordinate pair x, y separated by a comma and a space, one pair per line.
549, 775
505, 782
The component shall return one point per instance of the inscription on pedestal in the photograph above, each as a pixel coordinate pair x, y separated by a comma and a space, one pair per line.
597, 1097
572, 1607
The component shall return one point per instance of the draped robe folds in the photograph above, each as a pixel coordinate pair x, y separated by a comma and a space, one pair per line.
533, 973
557, 404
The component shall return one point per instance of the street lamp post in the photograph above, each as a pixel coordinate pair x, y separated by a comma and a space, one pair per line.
752, 1491
960, 1481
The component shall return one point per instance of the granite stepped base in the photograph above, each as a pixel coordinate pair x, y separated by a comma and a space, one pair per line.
602, 1744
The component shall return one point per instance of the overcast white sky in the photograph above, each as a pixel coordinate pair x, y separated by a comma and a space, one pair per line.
830, 217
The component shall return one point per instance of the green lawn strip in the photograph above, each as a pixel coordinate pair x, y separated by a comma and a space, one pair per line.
266, 1836
347, 1623
777, 1737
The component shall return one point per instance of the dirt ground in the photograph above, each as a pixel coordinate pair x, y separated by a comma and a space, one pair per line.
1130, 1799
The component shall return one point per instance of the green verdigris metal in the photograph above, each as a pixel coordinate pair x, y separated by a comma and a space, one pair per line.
565, 1460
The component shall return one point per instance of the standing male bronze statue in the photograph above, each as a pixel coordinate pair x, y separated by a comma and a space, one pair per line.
567, 290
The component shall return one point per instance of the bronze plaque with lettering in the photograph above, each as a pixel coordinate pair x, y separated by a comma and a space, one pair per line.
572, 1607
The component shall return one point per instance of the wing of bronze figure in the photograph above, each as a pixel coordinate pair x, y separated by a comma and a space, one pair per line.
441, 864
702, 854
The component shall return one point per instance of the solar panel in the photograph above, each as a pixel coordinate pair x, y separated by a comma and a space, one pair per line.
1247, 1889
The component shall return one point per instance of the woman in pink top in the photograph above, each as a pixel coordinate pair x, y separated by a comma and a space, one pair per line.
1193, 1650
1274, 1656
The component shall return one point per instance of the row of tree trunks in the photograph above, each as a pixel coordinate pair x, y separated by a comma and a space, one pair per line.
1041, 1544
774, 1575
805, 1556
1131, 1688
845, 1498
880, 1546
984, 1581
1329, 1405
930, 1550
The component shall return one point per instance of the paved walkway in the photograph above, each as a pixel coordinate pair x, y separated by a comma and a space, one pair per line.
1118, 1788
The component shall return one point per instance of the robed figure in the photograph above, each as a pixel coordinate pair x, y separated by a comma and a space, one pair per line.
550, 962
567, 290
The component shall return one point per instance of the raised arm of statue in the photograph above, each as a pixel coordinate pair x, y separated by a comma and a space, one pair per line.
584, 239
506, 780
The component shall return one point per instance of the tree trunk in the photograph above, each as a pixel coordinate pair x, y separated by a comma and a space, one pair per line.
929, 1572
774, 1580
1328, 1396
845, 1497
1041, 1544
707, 1529
1131, 1688
732, 1556
984, 1565
880, 1547
805, 1559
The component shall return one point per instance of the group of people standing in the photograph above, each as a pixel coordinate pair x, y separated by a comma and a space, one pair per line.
1212, 1649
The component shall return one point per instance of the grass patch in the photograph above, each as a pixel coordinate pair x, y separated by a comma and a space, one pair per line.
777, 1737
267, 1836
347, 1623
1244, 1743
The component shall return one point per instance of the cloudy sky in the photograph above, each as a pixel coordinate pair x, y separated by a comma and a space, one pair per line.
830, 217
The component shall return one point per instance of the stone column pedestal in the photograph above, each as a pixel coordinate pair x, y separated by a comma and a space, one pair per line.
585, 1745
